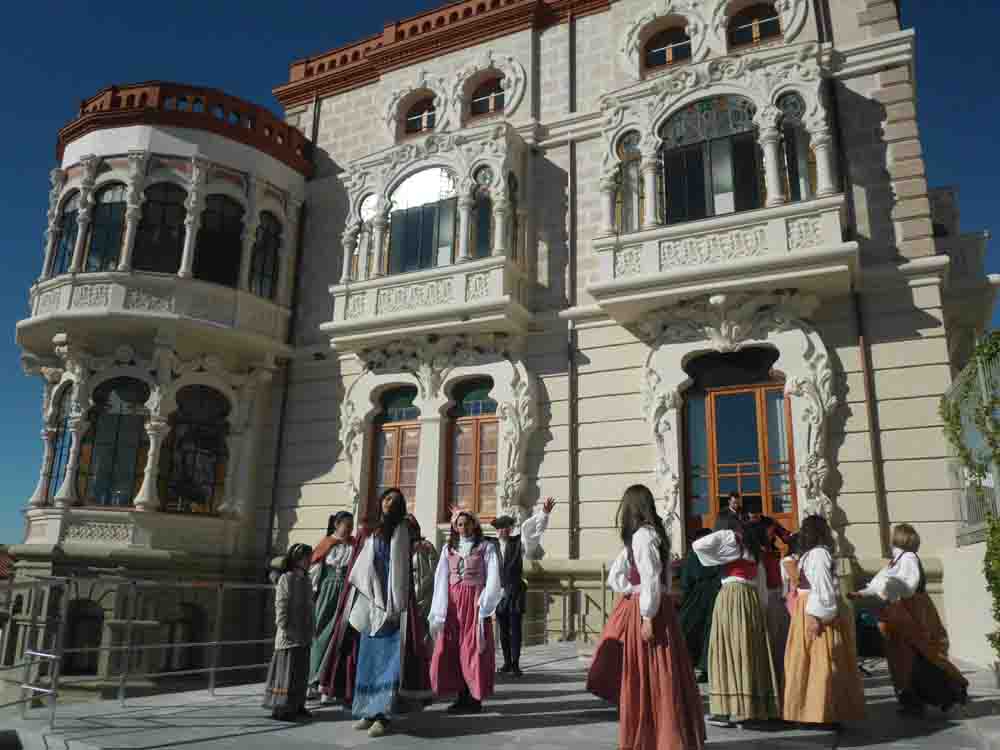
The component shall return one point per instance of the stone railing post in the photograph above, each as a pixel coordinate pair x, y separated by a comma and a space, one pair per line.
501, 208
90, 166
134, 198
821, 140
148, 497
39, 497
380, 226
67, 495
650, 168
769, 140
609, 191
194, 204
466, 204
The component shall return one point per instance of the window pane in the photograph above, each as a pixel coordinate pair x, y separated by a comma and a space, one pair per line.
736, 428
723, 199
488, 436
748, 172
446, 231
159, 241
425, 257
106, 230
220, 242
399, 229
488, 500
483, 226
68, 229
697, 455
777, 427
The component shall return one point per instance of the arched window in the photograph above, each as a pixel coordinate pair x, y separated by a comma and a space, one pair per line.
61, 443
159, 242
631, 196
738, 437
667, 47
84, 629
422, 228
473, 446
396, 444
712, 163
113, 452
265, 261
106, 229
193, 468
68, 229
481, 241
220, 242
420, 117
754, 25
488, 98
800, 162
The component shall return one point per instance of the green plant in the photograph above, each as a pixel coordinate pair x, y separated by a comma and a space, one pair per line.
967, 398
991, 570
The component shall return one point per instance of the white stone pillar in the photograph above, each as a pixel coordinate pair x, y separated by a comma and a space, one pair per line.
90, 166
609, 191
500, 211
134, 198
425, 506
57, 179
650, 168
251, 221
234, 446
380, 225
466, 204
194, 204
67, 495
40, 496
349, 243
770, 143
826, 166
148, 498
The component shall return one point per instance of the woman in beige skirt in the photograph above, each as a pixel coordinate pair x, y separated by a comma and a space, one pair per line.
742, 683
822, 681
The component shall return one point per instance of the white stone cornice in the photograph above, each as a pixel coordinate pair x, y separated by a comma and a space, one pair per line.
873, 55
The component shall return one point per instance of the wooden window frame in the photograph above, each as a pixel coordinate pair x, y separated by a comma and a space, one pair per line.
385, 427
788, 520
755, 31
453, 424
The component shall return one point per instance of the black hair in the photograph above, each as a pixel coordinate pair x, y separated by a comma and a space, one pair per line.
335, 520
749, 536
638, 509
386, 523
700, 533
294, 555
764, 523
793, 544
814, 532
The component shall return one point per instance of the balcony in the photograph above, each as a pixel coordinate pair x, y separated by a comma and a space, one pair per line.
794, 245
125, 303
479, 296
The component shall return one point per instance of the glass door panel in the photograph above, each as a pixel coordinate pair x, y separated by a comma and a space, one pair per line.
698, 486
737, 450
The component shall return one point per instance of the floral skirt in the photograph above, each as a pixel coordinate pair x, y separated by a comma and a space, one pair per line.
287, 680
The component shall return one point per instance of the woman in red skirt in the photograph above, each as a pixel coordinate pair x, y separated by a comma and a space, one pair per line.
467, 591
641, 662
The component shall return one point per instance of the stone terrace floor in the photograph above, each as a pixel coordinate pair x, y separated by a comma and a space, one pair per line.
548, 709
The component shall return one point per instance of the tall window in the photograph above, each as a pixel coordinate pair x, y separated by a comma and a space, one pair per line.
68, 229
474, 442
667, 47
712, 163
738, 438
800, 162
754, 25
421, 117
488, 98
396, 444
422, 230
61, 444
220, 242
113, 453
193, 468
84, 629
264, 263
631, 196
106, 229
159, 242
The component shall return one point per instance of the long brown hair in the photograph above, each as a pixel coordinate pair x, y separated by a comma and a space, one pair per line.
638, 509
386, 523
814, 532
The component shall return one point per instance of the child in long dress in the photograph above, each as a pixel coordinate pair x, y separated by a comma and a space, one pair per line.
288, 675
328, 575
641, 662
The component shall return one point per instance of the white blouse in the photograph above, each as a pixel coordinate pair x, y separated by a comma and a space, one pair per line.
898, 580
531, 536
817, 566
338, 557
648, 560
723, 547
786, 582
490, 596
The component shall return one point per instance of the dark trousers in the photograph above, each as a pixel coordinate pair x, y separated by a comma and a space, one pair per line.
510, 636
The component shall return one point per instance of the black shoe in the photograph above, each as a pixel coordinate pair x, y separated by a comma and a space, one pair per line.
305, 713
516, 670
505, 669
282, 716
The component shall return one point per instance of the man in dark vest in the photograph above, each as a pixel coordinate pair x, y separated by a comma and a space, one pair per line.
513, 548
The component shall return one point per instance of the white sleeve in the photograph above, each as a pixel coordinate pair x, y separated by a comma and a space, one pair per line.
899, 581
439, 602
493, 592
531, 535
646, 551
314, 572
618, 575
822, 603
718, 548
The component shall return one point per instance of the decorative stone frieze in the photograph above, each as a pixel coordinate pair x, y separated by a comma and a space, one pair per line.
92, 295
805, 233
98, 532
415, 296
628, 262
146, 301
709, 249
477, 287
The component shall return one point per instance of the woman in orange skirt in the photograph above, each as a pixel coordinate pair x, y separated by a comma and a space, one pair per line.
641, 662
822, 682
916, 643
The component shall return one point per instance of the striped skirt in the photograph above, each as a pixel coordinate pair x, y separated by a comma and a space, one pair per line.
742, 683
287, 680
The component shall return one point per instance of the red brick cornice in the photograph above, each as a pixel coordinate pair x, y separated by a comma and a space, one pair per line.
195, 107
429, 35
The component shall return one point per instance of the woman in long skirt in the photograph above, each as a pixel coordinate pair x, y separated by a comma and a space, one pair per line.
391, 674
701, 586
288, 675
467, 590
424, 566
916, 642
328, 574
823, 684
778, 617
742, 682
641, 662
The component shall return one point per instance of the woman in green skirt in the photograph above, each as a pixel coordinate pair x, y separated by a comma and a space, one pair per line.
328, 573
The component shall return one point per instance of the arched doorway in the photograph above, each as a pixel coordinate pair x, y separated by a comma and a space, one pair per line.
738, 437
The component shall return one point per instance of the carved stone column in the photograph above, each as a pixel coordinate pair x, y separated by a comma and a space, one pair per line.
286, 252
90, 166
429, 490
67, 496
466, 204
609, 192
769, 139
148, 498
501, 209
231, 498
826, 166
194, 204
650, 168
349, 242
380, 225
57, 179
250, 224
40, 496
134, 198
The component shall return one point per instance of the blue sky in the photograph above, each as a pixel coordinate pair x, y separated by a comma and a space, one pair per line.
63, 52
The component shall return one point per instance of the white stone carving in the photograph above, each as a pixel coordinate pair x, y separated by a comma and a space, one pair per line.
661, 410
821, 400
357, 306
720, 247
394, 111
352, 431
628, 262
643, 27
92, 295
98, 532
48, 302
805, 233
145, 301
514, 82
477, 286
415, 296
518, 419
